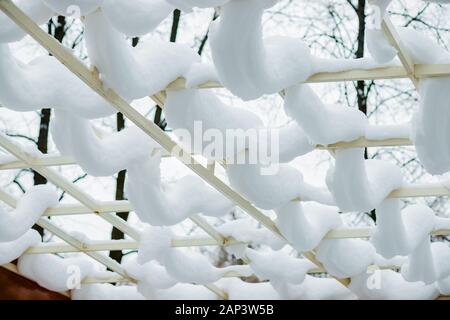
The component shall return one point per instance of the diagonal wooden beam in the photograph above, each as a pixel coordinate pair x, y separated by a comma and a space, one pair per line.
111, 245
395, 40
48, 225
422, 71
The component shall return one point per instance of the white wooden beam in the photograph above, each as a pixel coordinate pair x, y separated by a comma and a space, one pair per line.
421, 71
411, 191
50, 161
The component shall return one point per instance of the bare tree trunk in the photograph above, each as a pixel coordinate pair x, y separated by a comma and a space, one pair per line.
206, 36
116, 234
175, 24
58, 31
173, 38
362, 89
361, 85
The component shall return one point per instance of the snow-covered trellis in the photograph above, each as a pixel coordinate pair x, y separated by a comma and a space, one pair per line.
151, 244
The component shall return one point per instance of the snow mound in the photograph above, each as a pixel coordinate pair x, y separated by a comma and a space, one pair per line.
54, 273
187, 5
29, 209
305, 224
430, 124
323, 124
247, 230
134, 72
152, 199
106, 291
274, 188
202, 111
401, 232
268, 66
71, 7
358, 184
137, 17
97, 153
278, 266
390, 285
345, 258
194, 267
314, 288
428, 263
10, 251
240, 290
35, 9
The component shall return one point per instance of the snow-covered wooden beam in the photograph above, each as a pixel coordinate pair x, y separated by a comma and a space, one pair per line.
111, 245
421, 71
410, 191
53, 161
414, 191
367, 143
62, 247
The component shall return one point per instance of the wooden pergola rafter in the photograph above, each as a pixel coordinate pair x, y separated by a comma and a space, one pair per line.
106, 210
